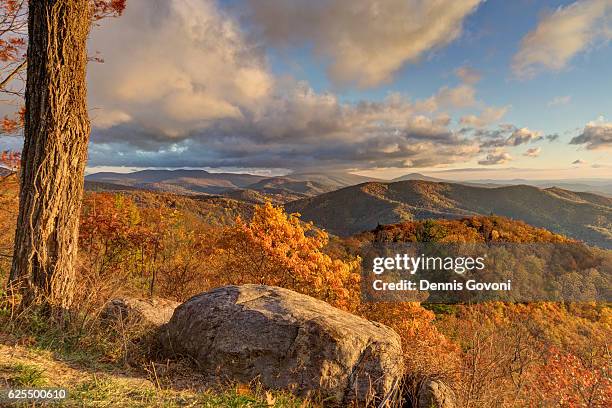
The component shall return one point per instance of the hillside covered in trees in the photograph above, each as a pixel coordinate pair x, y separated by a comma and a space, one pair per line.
230, 256
583, 216
143, 244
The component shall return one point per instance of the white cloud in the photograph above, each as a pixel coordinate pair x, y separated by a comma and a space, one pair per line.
562, 34
366, 42
301, 129
595, 135
461, 96
489, 115
171, 65
183, 85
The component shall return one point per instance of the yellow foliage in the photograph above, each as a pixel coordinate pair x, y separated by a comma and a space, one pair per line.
274, 248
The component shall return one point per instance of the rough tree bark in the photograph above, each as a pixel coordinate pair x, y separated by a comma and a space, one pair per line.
55, 151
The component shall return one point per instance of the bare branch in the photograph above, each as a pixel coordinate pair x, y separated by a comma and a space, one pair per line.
10, 76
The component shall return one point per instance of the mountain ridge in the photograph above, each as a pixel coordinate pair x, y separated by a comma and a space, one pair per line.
583, 216
278, 188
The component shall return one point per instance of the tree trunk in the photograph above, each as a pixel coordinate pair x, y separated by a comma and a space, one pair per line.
55, 151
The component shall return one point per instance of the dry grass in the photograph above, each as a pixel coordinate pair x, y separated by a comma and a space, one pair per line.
104, 385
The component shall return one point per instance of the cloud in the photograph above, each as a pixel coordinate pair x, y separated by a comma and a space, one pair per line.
523, 135
461, 96
561, 35
595, 135
560, 100
552, 137
468, 75
532, 152
365, 42
488, 116
498, 157
579, 162
301, 130
174, 65
508, 135
183, 85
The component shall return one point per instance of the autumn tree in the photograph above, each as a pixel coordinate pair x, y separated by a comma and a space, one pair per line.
275, 248
56, 133
13, 30
13, 35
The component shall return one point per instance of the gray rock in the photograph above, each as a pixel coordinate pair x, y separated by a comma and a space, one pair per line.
149, 312
286, 340
436, 394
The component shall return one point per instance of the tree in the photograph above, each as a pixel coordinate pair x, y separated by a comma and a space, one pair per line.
56, 137
13, 27
278, 249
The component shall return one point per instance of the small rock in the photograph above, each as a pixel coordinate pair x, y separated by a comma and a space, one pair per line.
436, 394
150, 312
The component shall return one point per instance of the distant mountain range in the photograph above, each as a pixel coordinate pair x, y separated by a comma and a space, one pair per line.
298, 185
598, 186
177, 181
247, 187
583, 216
345, 203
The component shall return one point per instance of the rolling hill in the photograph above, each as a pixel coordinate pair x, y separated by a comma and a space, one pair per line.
598, 186
178, 181
254, 188
582, 216
417, 176
336, 179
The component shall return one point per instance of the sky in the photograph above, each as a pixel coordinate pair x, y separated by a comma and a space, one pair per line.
507, 89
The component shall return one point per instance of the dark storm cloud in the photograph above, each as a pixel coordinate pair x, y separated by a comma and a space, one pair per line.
347, 142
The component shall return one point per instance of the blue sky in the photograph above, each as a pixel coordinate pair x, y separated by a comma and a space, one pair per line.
508, 88
555, 101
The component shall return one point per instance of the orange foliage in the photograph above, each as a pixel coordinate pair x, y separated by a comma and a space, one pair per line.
473, 229
13, 43
493, 354
567, 381
428, 353
536, 354
13, 24
119, 239
108, 8
10, 160
278, 249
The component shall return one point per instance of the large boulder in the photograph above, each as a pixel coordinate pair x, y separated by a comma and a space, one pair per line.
286, 340
147, 312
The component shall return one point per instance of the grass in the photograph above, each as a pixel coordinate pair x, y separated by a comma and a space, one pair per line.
112, 385
24, 375
111, 392
90, 365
